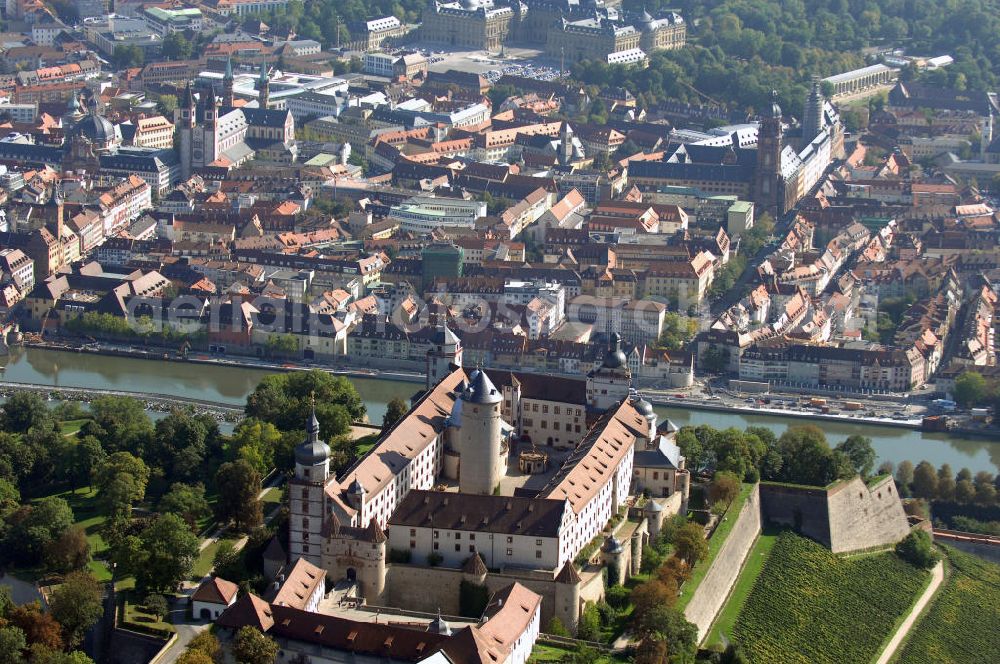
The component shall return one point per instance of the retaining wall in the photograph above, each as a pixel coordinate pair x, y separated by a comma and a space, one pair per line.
713, 591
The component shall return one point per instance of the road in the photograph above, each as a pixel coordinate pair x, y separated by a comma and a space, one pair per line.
937, 576
188, 628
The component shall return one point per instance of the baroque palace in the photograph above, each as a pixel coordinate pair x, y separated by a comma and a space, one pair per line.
590, 30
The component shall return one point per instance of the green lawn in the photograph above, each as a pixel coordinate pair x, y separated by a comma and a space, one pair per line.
365, 443
87, 512
726, 619
273, 496
203, 565
135, 614
714, 544
962, 623
71, 427
547, 654
810, 606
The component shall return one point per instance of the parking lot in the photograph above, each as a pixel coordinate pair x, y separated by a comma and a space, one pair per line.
526, 62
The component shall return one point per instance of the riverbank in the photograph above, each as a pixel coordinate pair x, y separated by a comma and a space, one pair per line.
254, 363
166, 355
152, 402
230, 382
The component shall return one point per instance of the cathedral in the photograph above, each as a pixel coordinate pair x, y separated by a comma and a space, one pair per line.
214, 133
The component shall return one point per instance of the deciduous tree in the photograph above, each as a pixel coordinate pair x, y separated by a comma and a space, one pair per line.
186, 501
925, 481
395, 410
169, 550
76, 604
239, 486
690, 545
252, 647
860, 452
38, 626
70, 551
724, 488
12, 642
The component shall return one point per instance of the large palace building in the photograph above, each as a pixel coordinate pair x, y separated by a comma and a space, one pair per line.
446, 487
567, 29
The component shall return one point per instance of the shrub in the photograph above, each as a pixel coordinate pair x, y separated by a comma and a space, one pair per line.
916, 549
472, 599
589, 628
557, 628
434, 559
617, 596
400, 555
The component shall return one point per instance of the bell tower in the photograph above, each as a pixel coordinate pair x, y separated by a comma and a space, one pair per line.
227, 85
768, 191
307, 492
263, 88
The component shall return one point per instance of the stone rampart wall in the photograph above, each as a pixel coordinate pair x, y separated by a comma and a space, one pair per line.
714, 588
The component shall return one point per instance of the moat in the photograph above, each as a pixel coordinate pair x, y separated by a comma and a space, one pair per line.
230, 385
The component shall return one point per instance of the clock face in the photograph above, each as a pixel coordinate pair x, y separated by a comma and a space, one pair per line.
196, 153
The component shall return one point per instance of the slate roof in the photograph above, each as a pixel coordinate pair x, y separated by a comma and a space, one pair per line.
507, 515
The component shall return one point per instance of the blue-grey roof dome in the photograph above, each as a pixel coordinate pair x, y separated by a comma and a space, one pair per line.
439, 626
313, 451
775, 109
612, 545
614, 357
642, 407
96, 129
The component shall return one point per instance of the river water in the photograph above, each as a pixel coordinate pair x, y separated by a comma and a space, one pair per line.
231, 385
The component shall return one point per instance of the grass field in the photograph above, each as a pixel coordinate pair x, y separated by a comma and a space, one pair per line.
203, 565
714, 544
754, 565
548, 654
811, 606
963, 621
71, 427
134, 613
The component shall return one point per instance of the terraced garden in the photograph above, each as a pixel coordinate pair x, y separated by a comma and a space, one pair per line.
811, 606
963, 621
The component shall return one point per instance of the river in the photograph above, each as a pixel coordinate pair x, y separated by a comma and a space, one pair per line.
231, 385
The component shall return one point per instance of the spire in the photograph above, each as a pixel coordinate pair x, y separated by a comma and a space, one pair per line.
312, 428
187, 101
228, 98
263, 87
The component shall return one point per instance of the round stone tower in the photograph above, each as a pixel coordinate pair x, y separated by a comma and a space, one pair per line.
480, 439
613, 557
567, 604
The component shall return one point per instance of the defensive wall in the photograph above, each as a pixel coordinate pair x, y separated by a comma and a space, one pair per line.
846, 516
429, 589
713, 591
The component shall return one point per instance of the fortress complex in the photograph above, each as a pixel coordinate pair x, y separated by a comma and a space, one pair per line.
445, 489
575, 30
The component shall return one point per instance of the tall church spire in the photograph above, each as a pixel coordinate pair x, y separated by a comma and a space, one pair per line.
263, 87
227, 85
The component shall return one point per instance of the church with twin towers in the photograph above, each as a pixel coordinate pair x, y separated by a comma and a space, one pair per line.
217, 133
